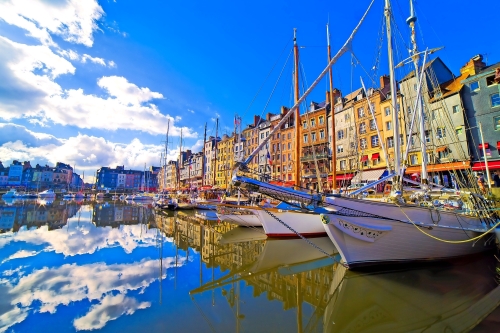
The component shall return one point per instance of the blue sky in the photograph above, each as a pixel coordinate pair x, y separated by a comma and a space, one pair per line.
94, 83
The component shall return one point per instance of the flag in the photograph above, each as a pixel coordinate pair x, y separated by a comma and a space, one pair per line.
269, 158
236, 120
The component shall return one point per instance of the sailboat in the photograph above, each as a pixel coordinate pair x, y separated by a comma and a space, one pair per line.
367, 232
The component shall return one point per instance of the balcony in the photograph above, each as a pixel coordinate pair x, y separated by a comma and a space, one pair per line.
308, 158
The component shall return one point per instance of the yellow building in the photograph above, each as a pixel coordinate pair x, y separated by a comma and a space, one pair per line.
225, 161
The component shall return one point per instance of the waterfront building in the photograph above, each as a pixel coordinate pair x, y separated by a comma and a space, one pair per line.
225, 161
4, 177
481, 102
314, 147
368, 115
191, 171
15, 173
346, 146
210, 145
264, 167
251, 133
282, 151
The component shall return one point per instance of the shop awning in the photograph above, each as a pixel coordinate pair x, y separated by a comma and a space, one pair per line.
364, 158
347, 176
498, 145
486, 146
375, 156
440, 167
367, 175
282, 183
440, 149
206, 187
481, 166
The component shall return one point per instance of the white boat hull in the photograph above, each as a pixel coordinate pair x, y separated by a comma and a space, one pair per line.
392, 237
238, 215
303, 223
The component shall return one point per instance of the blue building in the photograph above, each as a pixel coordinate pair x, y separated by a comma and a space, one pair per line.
481, 99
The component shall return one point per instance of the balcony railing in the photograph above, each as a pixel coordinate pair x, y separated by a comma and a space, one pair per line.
308, 158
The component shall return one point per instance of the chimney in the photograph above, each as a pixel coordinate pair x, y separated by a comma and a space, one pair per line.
256, 120
327, 100
384, 81
284, 110
473, 66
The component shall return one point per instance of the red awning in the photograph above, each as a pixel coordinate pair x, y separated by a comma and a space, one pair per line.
498, 145
480, 166
364, 158
375, 156
440, 149
486, 146
206, 187
347, 176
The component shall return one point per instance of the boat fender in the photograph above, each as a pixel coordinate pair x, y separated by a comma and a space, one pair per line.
324, 218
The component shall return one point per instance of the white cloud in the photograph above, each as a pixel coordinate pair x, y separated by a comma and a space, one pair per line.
87, 152
110, 308
126, 92
73, 20
111, 64
28, 90
21, 254
62, 285
189, 110
95, 60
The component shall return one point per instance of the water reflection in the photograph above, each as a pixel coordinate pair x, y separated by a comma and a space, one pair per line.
117, 266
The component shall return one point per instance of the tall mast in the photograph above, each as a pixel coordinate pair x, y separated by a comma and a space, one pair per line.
415, 57
297, 112
215, 155
394, 101
332, 112
203, 159
165, 161
179, 164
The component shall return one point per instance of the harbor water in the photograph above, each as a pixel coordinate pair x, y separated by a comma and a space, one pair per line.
69, 266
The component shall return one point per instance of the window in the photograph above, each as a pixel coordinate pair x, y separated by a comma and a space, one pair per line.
304, 124
441, 132
387, 111
321, 134
289, 157
474, 86
305, 138
413, 159
496, 123
262, 135
340, 134
443, 154
428, 136
340, 149
313, 122
459, 130
289, 136
490, 80
283, 147
433, 115
346, 116
361, 112
362, 128
343, 165
372, 108
313, 136
274, 147
390, 142
373, 125
321, 120
267, 134
362, 143
495, 100
412, 140
388, 125
455, 108
374, 140
289, 145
